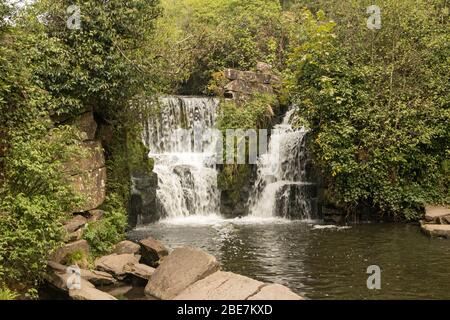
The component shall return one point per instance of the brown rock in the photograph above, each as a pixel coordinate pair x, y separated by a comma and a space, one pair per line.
152, 251
183, 267
115, 264
91, 158
75, 236
92, 186
221, 286
437, 230
140, 270
90, 294
263, 67
95, 215
275, 292
86, 124
62, 253
75, 223
126, 246
98, 278
437, 214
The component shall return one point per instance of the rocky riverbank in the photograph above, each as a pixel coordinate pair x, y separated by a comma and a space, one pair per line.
186, 273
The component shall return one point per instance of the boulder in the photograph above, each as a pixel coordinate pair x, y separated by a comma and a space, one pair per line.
89, 294
152, 251
140, 270
437, 214
62, 253
75, 223
126, 246
86, 124
437, 230
249, 88
183, 267
221, 286
60, 278
74, 236
275, 292
98, 278
115, 264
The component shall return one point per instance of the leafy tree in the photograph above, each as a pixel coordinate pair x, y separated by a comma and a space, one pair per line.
377, 103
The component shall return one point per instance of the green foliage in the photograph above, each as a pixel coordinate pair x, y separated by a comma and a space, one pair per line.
7, 294
257, 113
377, 103
102, 235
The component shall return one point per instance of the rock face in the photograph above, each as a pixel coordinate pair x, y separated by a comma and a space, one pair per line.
115, 264
126, 246
182, 268
62, 253
152, 251
245, 83
437, 214
86, 124
221, 286
143, 202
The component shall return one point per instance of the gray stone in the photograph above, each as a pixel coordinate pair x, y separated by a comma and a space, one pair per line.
275, 292
89, 294
115, 264
152, 251
143, 202
126, 246
221, 286
59, 255
75, 223
437, 214
183, 267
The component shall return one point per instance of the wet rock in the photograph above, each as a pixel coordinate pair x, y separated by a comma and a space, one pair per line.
183, 267
62, 253
115, 264
126, 246
221, 286
275, 292
143, 202
437, 214
75, 223
152, 251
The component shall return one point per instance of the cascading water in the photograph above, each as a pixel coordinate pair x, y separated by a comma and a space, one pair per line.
281, 187
187, 179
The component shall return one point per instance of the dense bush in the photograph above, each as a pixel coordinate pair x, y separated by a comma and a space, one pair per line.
377, 103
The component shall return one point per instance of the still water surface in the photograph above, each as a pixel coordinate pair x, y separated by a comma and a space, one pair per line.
319, 262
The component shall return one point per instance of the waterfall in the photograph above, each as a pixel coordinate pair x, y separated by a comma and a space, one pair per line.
187, 180
281, 187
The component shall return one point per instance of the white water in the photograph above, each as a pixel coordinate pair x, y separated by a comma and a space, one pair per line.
281, 176
187, 181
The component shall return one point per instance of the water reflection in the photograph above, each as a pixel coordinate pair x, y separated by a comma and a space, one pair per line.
320, 263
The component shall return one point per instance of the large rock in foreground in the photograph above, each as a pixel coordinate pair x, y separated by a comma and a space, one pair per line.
183, 267
153, 251
62, 253
222, 286
116, 264
90, 294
